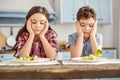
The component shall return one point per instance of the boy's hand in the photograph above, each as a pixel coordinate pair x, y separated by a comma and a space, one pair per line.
94, 30
29, 27
78, 29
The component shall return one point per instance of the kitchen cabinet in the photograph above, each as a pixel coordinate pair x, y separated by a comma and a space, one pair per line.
12, 17
18, 17
66, 55
103, 10
7, 56
109, 53
63, 56
68, 8
15, 13
67, 12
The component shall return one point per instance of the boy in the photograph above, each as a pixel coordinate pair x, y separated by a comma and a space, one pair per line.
85, 41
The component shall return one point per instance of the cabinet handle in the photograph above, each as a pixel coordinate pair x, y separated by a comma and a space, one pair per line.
101, 19
98, 19
1, 56
107, 52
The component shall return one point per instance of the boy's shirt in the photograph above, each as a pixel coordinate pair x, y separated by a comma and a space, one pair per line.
87, 48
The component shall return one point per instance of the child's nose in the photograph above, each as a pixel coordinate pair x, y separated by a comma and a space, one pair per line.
38, 25
86, 27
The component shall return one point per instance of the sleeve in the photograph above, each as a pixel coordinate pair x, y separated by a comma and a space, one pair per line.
72, 40
53, 40
21, 42
99, 39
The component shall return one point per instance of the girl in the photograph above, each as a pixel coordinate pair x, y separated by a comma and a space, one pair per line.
85, 41
36, 37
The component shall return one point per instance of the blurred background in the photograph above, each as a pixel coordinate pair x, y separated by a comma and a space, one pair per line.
62, 20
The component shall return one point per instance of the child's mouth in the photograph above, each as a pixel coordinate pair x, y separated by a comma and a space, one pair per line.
86, 33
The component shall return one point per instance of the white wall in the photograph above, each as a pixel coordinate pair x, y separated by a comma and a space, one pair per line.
116, 25
23, 5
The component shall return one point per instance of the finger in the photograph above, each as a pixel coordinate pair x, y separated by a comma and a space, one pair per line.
28, 24
95, 23
46, 25
77, 23
80, 28
77, 26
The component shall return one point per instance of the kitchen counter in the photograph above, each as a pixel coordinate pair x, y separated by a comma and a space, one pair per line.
60, 71
63, 50
7, 51
104, 48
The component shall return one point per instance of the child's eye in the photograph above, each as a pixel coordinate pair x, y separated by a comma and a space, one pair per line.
90, 25
42, 23
82, 25
34, 22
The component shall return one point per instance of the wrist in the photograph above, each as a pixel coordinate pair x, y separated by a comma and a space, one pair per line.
80, 35
92, 37
41, 36
32, 36
80, 38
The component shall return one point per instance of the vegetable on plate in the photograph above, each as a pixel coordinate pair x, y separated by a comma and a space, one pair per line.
93, 56
29, 58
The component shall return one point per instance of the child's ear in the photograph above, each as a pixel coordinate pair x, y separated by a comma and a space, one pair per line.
96, 21
75, 21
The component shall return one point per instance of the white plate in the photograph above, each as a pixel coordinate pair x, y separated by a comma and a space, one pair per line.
78, 59
33, 61
11, 41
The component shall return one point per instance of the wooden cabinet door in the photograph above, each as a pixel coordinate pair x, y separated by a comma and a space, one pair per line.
67, 11
103, 10
78, 4
6, 56
109, 53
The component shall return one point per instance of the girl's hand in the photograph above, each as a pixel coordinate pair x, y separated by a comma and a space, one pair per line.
78, 29
94, 30
29, 27
45, 29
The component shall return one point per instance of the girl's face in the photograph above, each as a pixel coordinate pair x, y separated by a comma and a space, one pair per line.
87, 26
38, 22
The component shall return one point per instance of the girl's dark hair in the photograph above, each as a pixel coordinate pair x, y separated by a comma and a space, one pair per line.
86, 12
33, 10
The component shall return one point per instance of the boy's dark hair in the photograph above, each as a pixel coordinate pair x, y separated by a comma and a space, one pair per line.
86, 12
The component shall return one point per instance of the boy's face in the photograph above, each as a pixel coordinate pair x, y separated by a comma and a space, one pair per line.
86, 26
